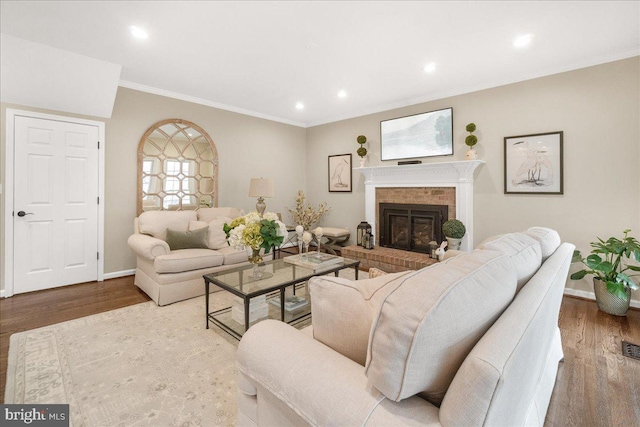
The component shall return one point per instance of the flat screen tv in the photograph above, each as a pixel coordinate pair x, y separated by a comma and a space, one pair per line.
420, 135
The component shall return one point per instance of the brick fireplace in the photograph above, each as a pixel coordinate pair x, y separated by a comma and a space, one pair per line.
448, 183
444, 183
426, 210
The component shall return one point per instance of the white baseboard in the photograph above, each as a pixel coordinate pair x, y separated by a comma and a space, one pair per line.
117, 274
107, 276
592, 296
579, 293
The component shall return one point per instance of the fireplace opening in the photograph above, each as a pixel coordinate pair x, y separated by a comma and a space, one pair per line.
411, 227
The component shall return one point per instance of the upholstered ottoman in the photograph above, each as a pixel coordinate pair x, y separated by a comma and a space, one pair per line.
336, 238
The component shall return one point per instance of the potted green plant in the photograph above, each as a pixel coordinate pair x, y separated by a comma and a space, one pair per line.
471, 140
454, 231
611, 283
362, 152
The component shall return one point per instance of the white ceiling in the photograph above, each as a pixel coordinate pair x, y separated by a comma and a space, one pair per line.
261, 58
36, 75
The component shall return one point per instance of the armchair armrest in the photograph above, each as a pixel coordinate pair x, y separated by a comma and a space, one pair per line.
288, 364
148, 247
343, 310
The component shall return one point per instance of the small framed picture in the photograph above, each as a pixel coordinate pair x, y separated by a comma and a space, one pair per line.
340, 173
533, 164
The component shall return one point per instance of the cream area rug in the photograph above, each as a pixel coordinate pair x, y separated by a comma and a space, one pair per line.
141, 365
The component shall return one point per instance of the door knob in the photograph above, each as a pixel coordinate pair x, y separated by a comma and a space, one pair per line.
23, 213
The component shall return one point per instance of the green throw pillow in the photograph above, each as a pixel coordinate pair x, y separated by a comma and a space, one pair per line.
187, 239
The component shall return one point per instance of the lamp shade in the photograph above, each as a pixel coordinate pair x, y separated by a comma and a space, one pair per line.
261, 187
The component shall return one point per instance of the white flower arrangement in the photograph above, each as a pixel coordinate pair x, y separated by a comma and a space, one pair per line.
256, 231
235, 236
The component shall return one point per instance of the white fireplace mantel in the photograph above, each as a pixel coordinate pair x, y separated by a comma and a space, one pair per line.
458, 174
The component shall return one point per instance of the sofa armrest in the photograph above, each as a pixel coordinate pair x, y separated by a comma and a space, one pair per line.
452, 253
148, 247
343, 310
320, 385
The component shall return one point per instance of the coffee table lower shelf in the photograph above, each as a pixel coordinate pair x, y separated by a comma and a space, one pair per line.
223, 318
282, 280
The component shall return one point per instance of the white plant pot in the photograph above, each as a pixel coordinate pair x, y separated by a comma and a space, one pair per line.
362, 160
471, 154
453, 243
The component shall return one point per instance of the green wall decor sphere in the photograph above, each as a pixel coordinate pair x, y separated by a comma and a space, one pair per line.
362, 151
454, 228
362, 139
471, 140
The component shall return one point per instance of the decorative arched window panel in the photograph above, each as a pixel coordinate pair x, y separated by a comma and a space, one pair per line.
177, 167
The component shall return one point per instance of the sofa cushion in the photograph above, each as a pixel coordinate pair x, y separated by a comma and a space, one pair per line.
155, 223
186, 260
549, 240
336, 302
233, 256
524, 252
427, 325
209, 214
190, 239
217, 238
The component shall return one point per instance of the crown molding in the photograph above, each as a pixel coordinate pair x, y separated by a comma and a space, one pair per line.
206, 102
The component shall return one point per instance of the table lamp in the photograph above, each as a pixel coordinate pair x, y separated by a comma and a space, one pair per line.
260, 188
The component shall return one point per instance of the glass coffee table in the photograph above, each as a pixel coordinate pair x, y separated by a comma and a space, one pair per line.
281, 293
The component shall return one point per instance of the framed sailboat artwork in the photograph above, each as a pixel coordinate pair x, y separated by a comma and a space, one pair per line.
533, 164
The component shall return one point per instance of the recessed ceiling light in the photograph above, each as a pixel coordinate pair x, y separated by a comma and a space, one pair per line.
138, 32
429, 68
523, 40
342, 94
299, 106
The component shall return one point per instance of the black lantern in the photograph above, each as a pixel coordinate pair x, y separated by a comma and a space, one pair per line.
363, 228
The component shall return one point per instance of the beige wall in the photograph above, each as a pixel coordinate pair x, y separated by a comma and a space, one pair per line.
598, 108
247, 146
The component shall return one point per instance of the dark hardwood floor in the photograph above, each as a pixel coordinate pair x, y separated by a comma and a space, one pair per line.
596, 384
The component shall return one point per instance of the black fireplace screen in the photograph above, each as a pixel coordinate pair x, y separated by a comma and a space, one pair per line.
411, 226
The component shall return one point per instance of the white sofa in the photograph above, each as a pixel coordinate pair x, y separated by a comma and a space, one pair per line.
470, 341
168, 276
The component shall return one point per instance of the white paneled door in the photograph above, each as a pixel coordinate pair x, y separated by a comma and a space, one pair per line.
55, 205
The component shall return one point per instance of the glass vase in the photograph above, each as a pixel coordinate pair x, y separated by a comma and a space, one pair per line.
256, 259
319, 237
